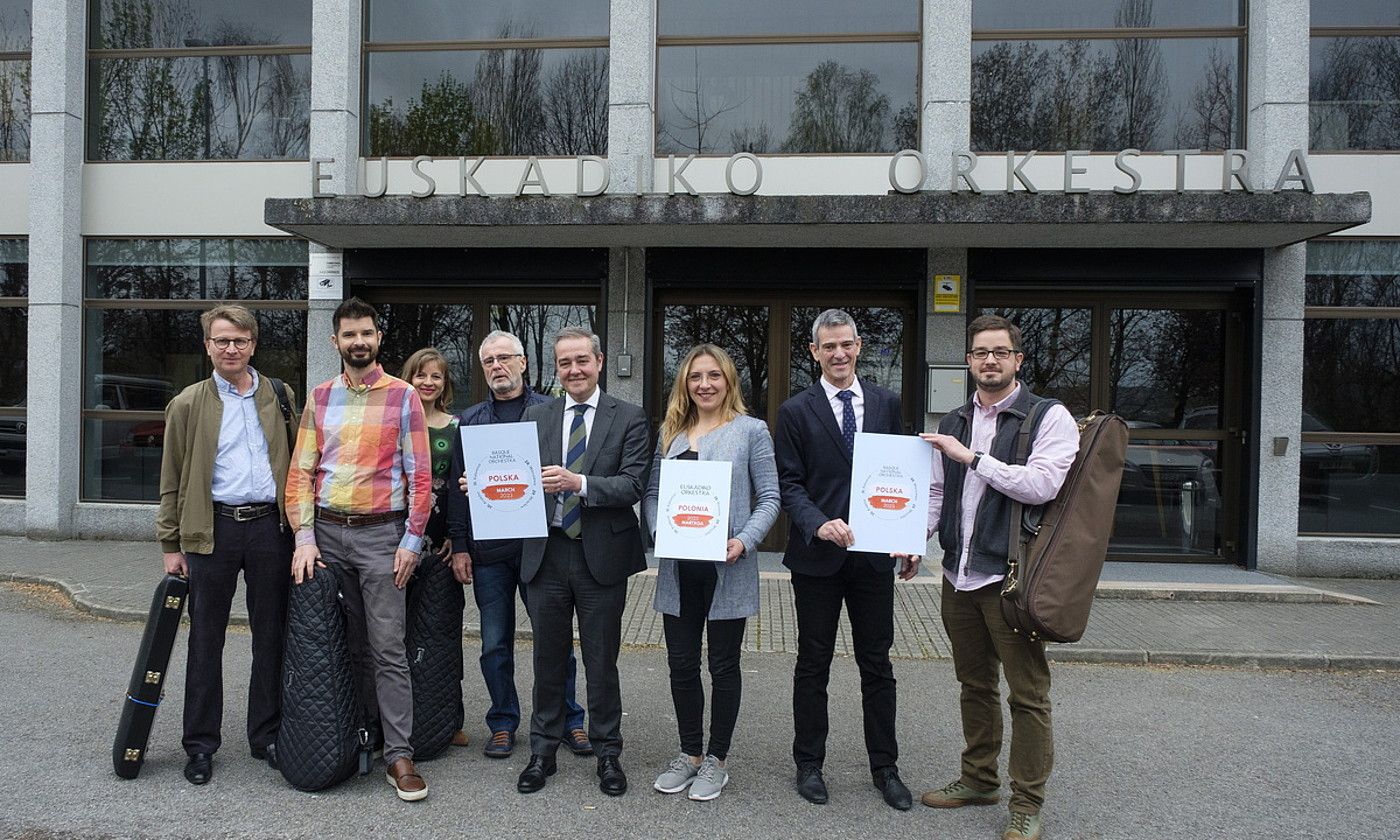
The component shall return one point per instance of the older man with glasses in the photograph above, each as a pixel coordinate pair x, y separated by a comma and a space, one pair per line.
493, 566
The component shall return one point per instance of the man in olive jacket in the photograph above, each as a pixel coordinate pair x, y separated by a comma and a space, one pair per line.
222, 474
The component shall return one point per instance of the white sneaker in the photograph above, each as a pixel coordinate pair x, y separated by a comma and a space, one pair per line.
709, 780
678, 776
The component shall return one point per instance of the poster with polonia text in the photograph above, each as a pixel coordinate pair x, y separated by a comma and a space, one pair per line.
890, 475
502, 463
692, 516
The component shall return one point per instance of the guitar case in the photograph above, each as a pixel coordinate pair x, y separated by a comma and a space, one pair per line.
322, 740
434, 644
147, 685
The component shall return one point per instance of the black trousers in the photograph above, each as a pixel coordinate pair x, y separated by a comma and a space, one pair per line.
684, 635
869, 599
263, 552
562, 586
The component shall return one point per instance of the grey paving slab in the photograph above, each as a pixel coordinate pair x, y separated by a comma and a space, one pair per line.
115, 579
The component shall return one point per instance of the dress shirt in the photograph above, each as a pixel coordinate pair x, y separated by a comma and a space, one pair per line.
592, 412
362, 450
242, 472
838, 407
1052, 454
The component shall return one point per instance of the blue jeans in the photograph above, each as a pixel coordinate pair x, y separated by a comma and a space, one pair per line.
494, 586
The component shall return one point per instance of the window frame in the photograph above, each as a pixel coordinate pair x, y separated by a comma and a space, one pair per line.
146, 304
92, 56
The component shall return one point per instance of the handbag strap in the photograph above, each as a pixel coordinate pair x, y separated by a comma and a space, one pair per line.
1015, 537
286, 405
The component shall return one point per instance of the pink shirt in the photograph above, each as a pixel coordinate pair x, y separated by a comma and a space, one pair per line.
1052, 453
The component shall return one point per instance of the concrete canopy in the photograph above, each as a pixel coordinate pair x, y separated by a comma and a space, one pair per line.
929, 219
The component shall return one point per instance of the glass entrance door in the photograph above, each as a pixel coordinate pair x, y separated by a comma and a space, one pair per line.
1172, 369
768, 335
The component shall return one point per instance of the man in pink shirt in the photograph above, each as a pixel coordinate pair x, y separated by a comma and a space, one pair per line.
970, 496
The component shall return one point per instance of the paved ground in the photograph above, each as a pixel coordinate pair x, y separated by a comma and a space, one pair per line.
1146, 613
1196, 753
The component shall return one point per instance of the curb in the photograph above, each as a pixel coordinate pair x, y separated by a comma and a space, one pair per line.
1068, 654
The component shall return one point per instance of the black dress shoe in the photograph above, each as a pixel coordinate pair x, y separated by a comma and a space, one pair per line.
811, 785
533, 777
200, 768
611, 779
268, 754
896, 794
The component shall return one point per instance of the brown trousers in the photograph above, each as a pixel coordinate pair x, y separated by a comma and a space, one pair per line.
981, 640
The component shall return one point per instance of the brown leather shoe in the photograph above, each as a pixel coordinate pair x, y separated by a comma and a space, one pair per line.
461, 739
578, 743
406, 781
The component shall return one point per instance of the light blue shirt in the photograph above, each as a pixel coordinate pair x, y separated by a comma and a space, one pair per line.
242, 471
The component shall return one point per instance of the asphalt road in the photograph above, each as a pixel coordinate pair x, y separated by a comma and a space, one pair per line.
1142, 752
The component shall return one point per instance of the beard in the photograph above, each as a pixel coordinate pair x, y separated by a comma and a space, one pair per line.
502, 387
361, 363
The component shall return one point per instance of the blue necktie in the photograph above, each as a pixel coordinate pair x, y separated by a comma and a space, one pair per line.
848, 419
572, 519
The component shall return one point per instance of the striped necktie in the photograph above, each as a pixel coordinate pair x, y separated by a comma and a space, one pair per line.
572, 518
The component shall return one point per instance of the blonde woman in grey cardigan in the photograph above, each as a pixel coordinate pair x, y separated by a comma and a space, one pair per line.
706, 420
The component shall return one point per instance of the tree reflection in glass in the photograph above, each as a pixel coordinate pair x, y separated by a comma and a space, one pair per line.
536, 325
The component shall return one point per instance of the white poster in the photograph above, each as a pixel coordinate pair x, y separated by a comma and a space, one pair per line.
889, 493
502, 462
692, 517
326, 270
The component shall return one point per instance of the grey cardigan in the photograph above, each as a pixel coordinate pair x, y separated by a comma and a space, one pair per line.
753, 508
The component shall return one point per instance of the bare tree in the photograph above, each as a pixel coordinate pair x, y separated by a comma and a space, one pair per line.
14, 90
507, 92
694, 115
1210, 121
839, 109
576, 106
1138, 66
1078, 107
1006, 80
754, 139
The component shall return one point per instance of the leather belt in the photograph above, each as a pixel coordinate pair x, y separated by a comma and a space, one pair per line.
356, 520
245, 513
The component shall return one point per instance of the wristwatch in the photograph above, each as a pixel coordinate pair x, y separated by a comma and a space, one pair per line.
976, 457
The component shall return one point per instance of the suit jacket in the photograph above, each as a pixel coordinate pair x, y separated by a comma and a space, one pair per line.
814, 473
615, 463
753, 508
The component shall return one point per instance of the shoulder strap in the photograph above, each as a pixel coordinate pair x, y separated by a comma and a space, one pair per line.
286, 405
1016, 542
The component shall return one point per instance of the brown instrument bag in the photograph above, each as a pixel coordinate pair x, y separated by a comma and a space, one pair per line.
1057, 552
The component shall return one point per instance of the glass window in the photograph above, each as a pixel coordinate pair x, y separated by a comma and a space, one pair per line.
882, 332
15, 25
775, 17
14, 350
1349, 463
536, 326
1057, 343
472, 89
741, 330
1104, 14
165, 24
1355, 13
177, 99
488, 102
803, 98
15, 28
1349, 488
1166, 367
441, 20
1071, 94
143, 342
1354, 93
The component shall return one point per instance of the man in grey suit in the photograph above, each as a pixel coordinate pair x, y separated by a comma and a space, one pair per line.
594, 452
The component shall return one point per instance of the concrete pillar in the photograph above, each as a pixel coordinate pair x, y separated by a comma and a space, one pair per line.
627, 305
945, 339
335, 134
55, 266
946, 86
1278, 123
631, 98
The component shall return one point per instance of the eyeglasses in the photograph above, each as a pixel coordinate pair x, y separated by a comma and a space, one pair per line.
503, 358
1001, 353
223, 343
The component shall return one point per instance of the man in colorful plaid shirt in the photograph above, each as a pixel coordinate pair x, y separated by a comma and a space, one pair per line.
358, 496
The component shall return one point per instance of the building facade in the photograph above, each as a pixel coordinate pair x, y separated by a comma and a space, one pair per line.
1206, 239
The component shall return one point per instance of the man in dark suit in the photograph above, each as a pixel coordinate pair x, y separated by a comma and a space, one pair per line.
594, 450
814, 442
